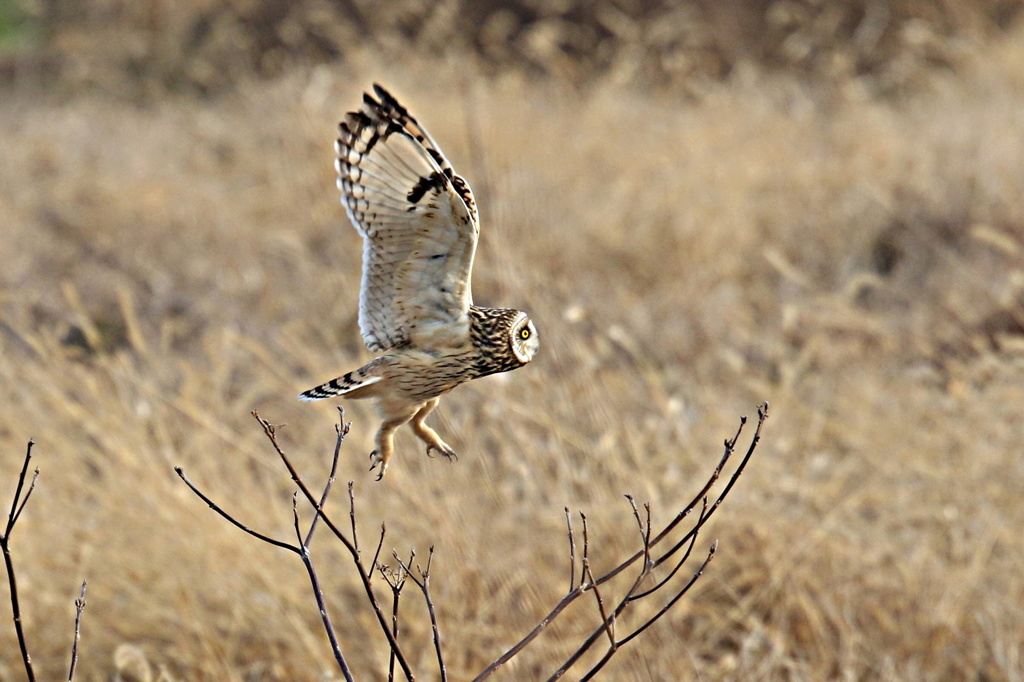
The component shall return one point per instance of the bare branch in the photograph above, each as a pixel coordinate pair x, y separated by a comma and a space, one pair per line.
342, 428
380, 543
424, 584
607, 623
762, 415
433, 616
681, 546
215, 507
352, 514
671, 602
5, 547
572, 551
532, 635
645, 536
586, 545
363, 575
318, 593
396, 583
589, 583
688, 540
11, 515
17, 514
647, 531
79, 608
636, 514
679, 564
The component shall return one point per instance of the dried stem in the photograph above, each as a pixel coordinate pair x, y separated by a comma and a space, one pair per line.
532, 635
342, 429
17, 505
606, 622
352, 514
302, 548
687, 541
79, 608
679, 564
380, 543
353, 551
232, 520
318, 592
649, 558
572, 551
424, 584
671, 602
396, 582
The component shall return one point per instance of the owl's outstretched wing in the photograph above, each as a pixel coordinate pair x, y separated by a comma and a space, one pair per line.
419, 226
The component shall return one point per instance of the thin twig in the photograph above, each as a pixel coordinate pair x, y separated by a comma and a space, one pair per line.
5, 547
762, 415
79, 608
682, 560
396, 586
645, 535
302, 549
352, 515
532, 635
572, 551
380, 543
17, 514
636, 514
671, 602
12, 517
586, 546
686, 588
433, 617
588, 578
607, 623
595, 635
363, 576
318, 593
215, 507
342, 428
424, 584
649, 543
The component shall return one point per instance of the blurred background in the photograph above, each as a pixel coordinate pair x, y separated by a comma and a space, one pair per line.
702, 205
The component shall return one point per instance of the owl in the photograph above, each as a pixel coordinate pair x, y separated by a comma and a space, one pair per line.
419, 225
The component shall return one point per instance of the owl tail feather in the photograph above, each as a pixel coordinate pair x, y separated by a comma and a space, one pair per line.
351, 385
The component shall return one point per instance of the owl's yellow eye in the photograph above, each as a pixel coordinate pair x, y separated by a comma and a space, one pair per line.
524, 333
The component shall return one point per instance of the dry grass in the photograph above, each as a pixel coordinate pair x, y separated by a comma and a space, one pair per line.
167, 269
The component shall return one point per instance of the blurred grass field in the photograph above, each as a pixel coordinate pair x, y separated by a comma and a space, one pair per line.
856, 257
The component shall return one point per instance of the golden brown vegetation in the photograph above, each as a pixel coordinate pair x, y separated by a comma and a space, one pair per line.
168, 267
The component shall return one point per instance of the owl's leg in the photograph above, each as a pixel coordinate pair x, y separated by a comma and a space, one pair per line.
385, 442
427, 434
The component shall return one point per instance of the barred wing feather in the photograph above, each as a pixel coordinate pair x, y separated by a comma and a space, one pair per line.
419, 227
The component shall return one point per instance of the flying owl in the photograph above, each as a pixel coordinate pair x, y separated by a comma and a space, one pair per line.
419, 226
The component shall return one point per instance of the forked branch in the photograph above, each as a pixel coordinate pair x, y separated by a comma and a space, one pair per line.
423, 582
17, 505
651, 561
669, 548
301, 548
21, 497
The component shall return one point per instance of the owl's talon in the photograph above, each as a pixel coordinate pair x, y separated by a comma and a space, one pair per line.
448, 453
375, 459
416, 276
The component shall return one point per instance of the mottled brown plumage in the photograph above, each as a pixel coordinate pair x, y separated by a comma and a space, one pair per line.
419, 225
